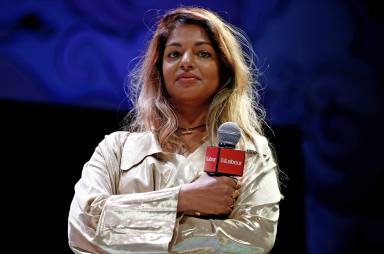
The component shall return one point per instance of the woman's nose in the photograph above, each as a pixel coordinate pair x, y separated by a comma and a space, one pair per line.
187, 60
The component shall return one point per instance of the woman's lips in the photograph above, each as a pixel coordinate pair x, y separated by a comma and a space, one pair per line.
187, 77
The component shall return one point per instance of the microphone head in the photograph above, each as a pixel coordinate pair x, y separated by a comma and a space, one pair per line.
228, 134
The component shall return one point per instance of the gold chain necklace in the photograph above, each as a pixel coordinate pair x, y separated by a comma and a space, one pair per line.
187, 131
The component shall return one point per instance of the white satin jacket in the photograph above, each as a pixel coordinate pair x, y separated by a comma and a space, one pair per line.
126, 202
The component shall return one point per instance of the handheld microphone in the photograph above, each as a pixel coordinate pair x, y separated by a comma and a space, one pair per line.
225, 159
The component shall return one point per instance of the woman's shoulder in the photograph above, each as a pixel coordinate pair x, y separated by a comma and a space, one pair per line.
119, 138
259, 145
130, 147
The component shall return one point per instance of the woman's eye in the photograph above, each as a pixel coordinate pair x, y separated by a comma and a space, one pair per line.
204, 54
173, 54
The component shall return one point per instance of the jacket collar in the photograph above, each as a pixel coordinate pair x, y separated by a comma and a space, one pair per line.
138, 146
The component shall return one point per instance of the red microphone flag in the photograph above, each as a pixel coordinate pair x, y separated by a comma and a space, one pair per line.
224, 161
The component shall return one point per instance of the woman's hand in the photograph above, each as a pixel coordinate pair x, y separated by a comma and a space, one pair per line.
208, 195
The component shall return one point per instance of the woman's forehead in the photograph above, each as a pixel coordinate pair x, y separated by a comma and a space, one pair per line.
188, 33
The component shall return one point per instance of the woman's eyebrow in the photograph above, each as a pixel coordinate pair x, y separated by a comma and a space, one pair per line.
202, 43
176, 44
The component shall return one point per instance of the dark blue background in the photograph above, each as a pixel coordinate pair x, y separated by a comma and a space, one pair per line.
64, 68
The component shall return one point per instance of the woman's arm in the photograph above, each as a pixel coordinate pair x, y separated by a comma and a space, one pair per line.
252, 225
100, 221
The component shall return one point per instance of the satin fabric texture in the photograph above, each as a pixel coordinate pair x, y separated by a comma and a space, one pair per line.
126, 201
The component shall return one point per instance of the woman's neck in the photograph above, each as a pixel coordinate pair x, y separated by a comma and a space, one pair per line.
191, 116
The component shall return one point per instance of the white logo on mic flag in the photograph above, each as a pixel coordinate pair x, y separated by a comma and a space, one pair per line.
232, 162
210, 159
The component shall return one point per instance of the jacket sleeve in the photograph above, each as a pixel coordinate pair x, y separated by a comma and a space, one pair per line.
252, 225
101, 221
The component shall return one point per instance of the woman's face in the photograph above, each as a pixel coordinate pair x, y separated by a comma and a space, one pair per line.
190, 66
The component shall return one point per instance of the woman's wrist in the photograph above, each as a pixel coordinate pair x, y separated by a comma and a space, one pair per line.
183, 203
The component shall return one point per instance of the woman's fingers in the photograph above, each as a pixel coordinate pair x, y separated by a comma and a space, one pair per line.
219, 194
235, 194
235, 182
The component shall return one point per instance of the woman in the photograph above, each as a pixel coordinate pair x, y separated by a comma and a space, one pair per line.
145, 190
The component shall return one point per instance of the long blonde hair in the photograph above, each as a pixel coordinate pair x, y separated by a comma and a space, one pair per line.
237, 99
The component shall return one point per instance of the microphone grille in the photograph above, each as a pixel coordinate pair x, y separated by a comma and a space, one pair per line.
228, 134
